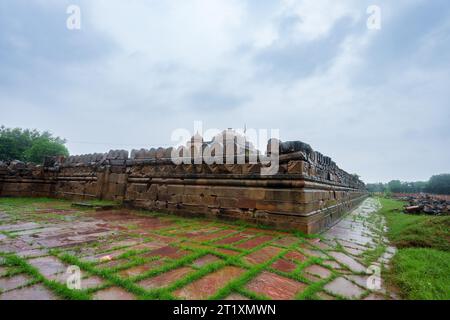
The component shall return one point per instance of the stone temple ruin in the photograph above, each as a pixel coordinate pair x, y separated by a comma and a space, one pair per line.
309, 193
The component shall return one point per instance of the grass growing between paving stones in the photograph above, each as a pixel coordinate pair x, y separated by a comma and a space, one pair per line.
61, 290
178, 229
421, 266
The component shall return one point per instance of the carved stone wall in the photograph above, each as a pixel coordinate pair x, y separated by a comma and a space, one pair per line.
309, 193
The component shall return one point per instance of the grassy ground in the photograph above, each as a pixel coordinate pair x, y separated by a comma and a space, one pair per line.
421, 267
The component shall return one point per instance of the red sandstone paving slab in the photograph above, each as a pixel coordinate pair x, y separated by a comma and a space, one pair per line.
119, 244
348, 261
205, 260
322, 246
9, 283
112, 264
168, 252
284, 265
233, 239
48, 265
152, 245
35, 292
165, 279
275, 287
164, 239
262, 255
228, 252
113, 293
318, 271
295, 256
236, 296
254, 242
214, 235
344, 288
286, 241
91, 282
138, 270
106, 256
197, 233
209, 284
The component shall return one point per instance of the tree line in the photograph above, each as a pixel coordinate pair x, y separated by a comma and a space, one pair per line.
438, 184
29, 145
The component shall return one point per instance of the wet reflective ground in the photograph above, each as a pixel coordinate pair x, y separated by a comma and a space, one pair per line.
126, 254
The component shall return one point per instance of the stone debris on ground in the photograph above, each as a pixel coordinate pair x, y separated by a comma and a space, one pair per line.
425, 204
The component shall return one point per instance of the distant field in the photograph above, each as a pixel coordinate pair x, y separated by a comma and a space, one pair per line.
421, 266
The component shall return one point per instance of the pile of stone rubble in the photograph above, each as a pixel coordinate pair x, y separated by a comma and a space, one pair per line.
426, 204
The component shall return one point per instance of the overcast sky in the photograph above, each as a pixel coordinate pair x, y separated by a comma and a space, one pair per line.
376, 101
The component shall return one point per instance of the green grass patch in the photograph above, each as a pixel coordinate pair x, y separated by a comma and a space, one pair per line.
421, 266
422, 274
420, 231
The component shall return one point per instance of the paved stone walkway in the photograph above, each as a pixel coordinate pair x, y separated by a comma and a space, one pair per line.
125, 254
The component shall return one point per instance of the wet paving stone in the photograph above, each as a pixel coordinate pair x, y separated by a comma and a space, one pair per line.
9, 283
168, 252
295, 256
324, 296
19, 226
112, 264
284, 265
232, 239
262, 255
165, 279
315, 253
318, 271
212, 236
286, 241
275, 287
35, 292
138, 270
48, 265
254, 242
236, 296
332, 264
205, 260
344, 288
32, 253
113, 293
348, 261
374, 296
359, 280
93, 235
227, 252
209, 284
3, 271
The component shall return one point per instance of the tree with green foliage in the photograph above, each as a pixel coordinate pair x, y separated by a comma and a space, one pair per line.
439, 184
29, 145
395, 186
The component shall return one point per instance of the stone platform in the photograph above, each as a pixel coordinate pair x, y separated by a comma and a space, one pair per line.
308, 192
